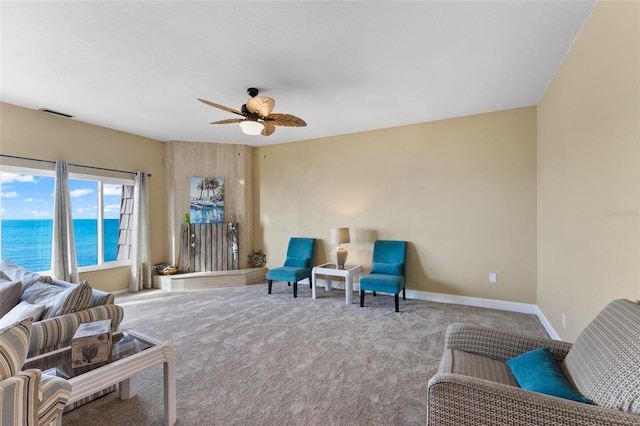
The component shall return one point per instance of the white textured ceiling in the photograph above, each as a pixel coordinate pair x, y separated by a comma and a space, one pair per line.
342, 66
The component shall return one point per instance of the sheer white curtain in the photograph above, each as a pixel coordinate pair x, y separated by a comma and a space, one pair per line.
141, 256
64, 265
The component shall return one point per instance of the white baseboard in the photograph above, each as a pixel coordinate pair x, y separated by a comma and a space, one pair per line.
547, 325
525, 308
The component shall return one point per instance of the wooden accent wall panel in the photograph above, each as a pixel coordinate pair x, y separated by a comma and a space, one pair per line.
205, 247
234, 163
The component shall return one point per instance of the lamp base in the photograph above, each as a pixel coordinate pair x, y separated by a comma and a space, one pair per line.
339, 256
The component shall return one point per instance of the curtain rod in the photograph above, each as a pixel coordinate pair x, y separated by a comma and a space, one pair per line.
70, 164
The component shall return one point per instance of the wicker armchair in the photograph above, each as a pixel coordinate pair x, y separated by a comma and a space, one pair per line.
474, 386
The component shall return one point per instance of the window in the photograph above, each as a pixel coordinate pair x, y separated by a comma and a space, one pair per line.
26, 216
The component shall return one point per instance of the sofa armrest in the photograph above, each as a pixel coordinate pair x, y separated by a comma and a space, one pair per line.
55, 393
19, 398
498, 344
453, 399
55, 333
99, 297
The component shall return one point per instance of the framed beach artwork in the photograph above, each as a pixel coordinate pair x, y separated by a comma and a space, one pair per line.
206, 200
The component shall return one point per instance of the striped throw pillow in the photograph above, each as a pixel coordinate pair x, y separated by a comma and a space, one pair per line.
14, 345
59, 300
10, 293
18, 273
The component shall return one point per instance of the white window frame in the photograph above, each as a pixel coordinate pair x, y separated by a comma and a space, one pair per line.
101, 179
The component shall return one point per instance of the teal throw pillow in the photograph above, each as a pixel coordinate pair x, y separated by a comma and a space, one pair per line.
537, 371
296, 262
386, 268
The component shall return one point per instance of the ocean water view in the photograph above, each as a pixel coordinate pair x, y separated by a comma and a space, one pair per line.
28, 242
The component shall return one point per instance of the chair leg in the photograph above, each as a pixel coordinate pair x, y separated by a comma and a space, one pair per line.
374, 293
397, 299
404, 294
269, 283
295, 289
362, 298
289, 283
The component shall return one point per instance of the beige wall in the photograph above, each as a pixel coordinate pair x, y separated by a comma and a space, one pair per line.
589, 172
462, 192
35, 134
234, 163
547, 198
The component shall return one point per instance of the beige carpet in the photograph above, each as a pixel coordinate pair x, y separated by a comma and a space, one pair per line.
248, 358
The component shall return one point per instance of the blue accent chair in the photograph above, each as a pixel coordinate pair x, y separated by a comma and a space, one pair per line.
297, 266
387, 270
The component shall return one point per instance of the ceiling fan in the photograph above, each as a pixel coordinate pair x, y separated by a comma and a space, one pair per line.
258, 118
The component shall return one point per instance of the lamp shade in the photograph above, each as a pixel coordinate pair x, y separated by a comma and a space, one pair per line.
339, 235
250, 127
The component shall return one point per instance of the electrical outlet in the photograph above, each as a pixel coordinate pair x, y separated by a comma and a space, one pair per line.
493, 277
564, 321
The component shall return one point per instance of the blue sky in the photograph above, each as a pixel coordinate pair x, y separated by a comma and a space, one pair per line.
25, 196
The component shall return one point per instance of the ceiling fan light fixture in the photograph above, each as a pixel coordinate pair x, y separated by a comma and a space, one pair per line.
250, 127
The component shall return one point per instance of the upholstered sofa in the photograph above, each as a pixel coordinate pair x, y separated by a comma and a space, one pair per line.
27, 397
477, 383
57, 307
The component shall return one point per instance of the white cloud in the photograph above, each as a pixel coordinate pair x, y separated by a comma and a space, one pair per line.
112, 190
28, 200
15, 177
13, 194
112, 208
37, 213
80, 192
85, 210
3, 210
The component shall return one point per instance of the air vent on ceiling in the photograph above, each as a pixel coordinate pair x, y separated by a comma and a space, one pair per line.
50, 111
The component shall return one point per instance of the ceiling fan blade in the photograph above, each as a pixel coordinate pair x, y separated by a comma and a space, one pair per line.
228, 121
286, 120
269, 128
260, 105
222, 107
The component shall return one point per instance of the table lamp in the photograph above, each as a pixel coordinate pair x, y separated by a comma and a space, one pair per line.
339, 254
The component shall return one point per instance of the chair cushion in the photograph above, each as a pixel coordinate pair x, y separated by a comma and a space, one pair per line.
386, 268
537, 371
382, 282
59, 300
478, 366
288, 273
296, 262
10, 292
18, 273
603, 362
20, 312
14, 344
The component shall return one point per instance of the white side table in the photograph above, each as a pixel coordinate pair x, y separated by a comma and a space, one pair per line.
330, 270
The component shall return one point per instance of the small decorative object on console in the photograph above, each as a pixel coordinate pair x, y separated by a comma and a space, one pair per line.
165, 269
257, 259
91, 343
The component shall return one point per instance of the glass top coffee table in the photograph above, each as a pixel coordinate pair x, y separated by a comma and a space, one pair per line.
131, 353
